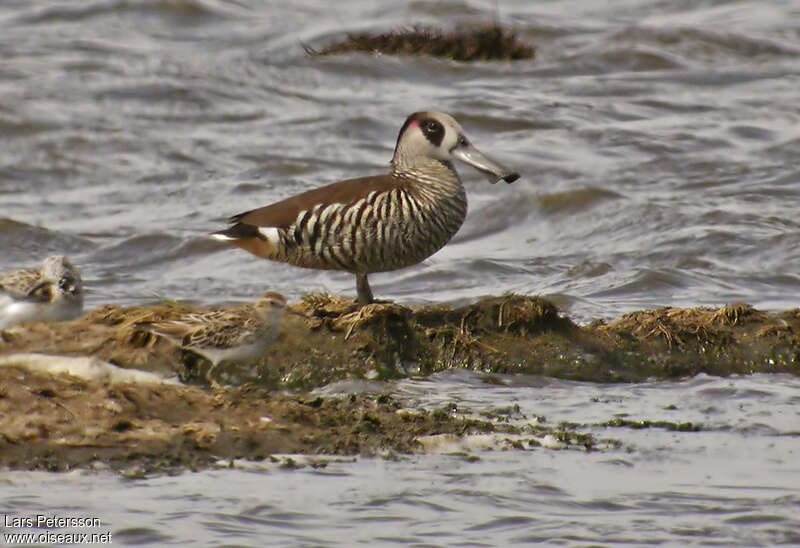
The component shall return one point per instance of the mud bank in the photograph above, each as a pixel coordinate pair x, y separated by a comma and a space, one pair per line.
331, 338
60, 422
57, 421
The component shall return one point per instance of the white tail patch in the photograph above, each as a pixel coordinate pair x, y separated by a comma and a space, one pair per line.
221, 237
260, 248
271, 234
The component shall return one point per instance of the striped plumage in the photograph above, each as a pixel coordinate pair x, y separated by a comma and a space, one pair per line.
231, 334
385, 230
378, 223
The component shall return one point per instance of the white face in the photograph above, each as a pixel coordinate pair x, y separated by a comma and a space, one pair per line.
438, 136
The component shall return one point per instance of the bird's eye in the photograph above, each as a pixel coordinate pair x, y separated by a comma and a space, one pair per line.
462, 141
66, 284
433, 131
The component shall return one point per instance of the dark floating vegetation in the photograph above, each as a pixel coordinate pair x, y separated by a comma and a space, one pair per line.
487, 43
642, 424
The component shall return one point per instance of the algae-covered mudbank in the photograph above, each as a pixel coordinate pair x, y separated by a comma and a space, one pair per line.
136, 423
520, 334
59, 422
331, 338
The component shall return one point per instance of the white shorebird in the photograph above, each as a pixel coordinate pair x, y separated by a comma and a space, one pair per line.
53, 293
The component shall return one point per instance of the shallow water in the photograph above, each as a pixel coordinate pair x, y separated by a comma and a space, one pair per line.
734, 482
658, 143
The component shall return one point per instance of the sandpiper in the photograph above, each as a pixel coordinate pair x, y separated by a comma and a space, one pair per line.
234, 334
53, 293
378, 223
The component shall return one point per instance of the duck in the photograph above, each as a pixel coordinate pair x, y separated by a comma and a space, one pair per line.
377, 223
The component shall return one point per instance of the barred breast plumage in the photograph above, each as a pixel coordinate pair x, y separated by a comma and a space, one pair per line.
373, 224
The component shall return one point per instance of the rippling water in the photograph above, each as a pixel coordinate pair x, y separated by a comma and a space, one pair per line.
658, 143
733, 483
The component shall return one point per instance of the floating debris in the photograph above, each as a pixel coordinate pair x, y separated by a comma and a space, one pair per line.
488, 43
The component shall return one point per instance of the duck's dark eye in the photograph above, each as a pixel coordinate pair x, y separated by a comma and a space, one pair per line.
462, 141
434, 131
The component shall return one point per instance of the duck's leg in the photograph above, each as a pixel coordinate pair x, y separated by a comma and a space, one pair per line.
362, 286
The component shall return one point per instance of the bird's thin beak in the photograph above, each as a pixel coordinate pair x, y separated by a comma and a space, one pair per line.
491, 169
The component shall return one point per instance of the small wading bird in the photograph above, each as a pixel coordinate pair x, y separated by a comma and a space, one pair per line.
378, 223
53, 293
234, 334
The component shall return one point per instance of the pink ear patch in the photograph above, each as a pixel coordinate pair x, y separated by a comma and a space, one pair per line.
414, 123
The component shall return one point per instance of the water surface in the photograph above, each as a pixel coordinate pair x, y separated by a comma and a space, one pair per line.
734, 482
657, 142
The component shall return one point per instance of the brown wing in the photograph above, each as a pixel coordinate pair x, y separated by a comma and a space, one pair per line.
216, 328
227, 336
283, 214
